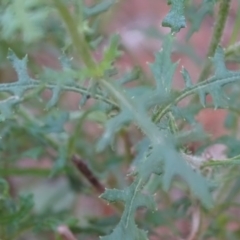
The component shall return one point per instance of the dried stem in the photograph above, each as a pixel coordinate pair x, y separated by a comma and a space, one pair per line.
88, 174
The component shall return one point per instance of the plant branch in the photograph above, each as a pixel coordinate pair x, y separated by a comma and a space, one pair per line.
231, 77
227, 162
8, 87
142, 119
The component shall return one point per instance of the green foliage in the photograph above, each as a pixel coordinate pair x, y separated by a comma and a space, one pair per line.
175, 19
196, 18
133, 198
13, 215
35, 127
27, 17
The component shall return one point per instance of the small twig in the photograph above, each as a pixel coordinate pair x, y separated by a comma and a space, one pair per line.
88, 174
65, 233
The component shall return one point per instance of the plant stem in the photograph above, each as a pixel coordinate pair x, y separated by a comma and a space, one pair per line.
83, 168
7, 87
77, 37
142, 119
216, 37
232, 77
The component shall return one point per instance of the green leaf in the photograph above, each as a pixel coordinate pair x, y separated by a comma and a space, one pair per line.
112, 127
26, 17
175, 19
163, 69
4, 188
110, 54
186, 77
197, 17
212, 86
16, 213
232, 145
33, 153
133, 199
131, 232
130, 76
20, 66
165, 160
56, 92
231, 120
61, 161
23, 78
54, 122
7, 106
97, 116
222, 77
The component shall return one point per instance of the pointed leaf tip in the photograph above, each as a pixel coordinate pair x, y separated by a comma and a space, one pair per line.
186, 77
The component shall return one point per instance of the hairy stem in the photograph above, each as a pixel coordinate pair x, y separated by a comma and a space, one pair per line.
231, 77
7, 87
77, 37
216, 37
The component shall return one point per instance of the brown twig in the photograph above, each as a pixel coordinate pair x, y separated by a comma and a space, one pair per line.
88, 174
92, 179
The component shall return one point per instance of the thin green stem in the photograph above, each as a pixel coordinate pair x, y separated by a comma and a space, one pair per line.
78, 40
192, 90
77, 37
142, 119
216, 37
215, 162
8, 87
